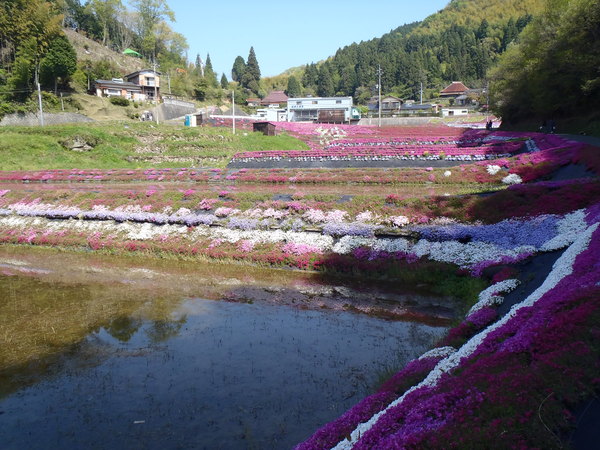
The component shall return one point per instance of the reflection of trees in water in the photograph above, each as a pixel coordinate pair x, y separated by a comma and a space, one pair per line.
123, 328
161, 330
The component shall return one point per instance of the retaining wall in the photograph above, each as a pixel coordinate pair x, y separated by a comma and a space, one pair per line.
31, 119
172, 109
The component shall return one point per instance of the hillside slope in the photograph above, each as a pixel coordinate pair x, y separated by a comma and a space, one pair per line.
88, 49
460, 42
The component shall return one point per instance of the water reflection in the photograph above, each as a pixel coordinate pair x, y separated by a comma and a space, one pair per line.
87, 360
122, 328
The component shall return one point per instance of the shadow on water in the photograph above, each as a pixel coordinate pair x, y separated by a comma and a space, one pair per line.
134, 353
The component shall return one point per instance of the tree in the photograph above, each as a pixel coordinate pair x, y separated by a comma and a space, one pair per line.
27, 27
150, 14
482, 31
59, 62
293, 87
325, 86
510, 34
201, 89
106, 11
251, 78
224, 82
209, 74
551, 65
311, 76
237, 71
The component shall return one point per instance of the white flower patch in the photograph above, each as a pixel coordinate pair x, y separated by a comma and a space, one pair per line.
466, 255
568, 228
489, 297
439, 352
561, 269
348, 243
146, 231
447, 173
314, 216
323, 243
391, 245
366, 216
513, 178
398, 221
493, 169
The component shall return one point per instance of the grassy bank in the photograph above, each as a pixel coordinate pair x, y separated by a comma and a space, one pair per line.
128, 145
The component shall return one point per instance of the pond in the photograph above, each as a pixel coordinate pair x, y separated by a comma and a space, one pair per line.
105, 352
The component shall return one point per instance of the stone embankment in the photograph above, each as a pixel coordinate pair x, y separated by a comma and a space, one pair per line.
31, 119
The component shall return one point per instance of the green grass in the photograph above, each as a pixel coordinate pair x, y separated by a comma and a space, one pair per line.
129, 145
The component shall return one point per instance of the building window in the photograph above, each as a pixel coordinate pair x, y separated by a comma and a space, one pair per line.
298, 103
339, 102
315, 102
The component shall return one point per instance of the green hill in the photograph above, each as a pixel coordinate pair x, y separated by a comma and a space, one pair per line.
460, 42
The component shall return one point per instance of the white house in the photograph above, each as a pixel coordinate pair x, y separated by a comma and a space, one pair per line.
322, 109
118, 88
457, 111
272, 114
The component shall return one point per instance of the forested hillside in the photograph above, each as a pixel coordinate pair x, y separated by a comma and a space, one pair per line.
554, 70
461, 42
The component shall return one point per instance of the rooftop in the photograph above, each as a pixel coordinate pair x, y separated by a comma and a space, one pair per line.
455, 88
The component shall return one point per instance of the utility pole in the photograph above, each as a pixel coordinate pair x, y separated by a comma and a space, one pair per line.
487, 96
39, 89
233, 109
155, 88
379, 86
40, 104
421, 92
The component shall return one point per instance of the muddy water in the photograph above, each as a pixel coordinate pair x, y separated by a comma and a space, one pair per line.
98, 352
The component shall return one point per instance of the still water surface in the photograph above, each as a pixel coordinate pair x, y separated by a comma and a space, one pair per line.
121, 365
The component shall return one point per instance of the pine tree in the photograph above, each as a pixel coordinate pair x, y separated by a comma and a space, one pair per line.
237, 71
510, 34
224, 82
325, 86
311, 76
251, 78
293, 87
209, 74
482, 31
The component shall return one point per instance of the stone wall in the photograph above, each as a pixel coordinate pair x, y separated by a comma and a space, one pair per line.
31, 119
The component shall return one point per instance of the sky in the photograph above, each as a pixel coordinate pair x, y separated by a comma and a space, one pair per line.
286, 33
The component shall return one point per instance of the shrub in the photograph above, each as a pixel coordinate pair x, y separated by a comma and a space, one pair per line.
6, 108
119, 101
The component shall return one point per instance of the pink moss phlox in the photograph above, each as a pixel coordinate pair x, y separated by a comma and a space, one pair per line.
330, 434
